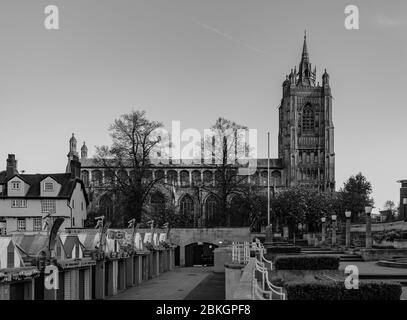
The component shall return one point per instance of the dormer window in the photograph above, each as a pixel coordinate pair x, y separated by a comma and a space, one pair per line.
48, 186
15, 185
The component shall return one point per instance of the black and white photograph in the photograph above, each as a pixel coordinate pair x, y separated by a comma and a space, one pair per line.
197, 156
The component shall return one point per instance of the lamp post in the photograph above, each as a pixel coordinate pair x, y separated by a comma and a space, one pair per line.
348, 214
368, 211
323, 220
333, 217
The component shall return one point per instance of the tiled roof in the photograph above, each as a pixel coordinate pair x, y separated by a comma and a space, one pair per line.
66, 181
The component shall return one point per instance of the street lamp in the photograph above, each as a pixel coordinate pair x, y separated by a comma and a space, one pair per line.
323, 220
348, 214
333, 217
368, 211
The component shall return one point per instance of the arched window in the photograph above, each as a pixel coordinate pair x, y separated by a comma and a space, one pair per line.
123, 177
184, 177
276, 178
172, 177
211, 210
196, 177
106, 207
219, 177
109, 176
96, 178
85, 177
187, 206
263, 178
208, 177
157, 203
308, 118
159, 176
147, 176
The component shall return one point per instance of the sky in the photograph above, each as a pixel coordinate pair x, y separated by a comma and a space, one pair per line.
195, 61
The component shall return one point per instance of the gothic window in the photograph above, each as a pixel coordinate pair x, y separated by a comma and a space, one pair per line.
219, 177
109, 176
211, 210
208, 177
263, 178
196, 177
106, 207
157, 203
123, 177
184, 177
159, 175
187, 206
276, 178
97, 178
172, 177
308, 118
147, 176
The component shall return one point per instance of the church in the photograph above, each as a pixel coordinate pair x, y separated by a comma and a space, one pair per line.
305, 155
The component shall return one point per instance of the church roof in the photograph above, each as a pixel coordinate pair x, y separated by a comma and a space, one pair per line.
66, 181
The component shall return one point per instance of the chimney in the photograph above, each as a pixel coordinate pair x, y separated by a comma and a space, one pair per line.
75, 167
11, 166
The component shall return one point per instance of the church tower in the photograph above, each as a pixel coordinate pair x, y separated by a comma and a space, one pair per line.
306, 131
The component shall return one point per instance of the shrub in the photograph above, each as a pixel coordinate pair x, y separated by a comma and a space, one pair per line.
309, 262
283, 249
332, 290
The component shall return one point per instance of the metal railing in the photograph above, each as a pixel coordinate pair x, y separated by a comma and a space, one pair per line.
240, 252
266, 290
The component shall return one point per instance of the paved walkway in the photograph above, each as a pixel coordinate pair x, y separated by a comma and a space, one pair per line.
210, 288
171, 285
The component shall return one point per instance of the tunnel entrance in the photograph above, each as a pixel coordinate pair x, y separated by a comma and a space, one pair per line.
199, 253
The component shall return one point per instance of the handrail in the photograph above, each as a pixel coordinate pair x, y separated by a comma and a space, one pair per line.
260, 267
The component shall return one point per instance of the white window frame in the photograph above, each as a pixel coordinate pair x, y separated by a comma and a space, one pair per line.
48, 184
15, 185
21, 224
47, 204
19, 203
37, 223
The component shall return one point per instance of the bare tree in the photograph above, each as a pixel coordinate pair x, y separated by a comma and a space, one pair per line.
128, 174
226, 147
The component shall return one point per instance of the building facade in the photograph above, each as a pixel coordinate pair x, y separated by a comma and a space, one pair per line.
305, 148
26, 199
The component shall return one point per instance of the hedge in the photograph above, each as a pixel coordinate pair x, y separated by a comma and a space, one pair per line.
332, 290
283, 249
308, 262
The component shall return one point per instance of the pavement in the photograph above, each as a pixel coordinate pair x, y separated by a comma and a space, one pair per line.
211, 288
171, 285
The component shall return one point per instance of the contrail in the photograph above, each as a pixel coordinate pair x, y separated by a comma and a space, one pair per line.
229, 37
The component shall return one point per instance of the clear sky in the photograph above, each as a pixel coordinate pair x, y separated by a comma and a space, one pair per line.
196, 60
